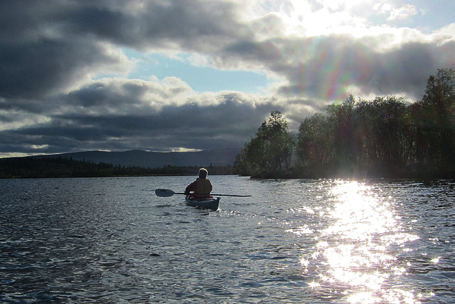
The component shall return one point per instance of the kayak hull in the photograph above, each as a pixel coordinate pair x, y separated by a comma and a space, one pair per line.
205, 203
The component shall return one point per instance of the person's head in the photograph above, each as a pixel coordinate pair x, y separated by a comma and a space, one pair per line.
203, 173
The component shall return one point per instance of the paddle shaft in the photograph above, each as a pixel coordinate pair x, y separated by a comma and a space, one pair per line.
167, 192
235, 195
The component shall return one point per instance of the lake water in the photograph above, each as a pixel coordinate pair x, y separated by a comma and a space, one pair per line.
111, 240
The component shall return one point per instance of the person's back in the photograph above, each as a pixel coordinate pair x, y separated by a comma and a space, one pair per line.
201, 187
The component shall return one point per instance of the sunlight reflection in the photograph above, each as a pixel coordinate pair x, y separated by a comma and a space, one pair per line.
435, 260
354, 253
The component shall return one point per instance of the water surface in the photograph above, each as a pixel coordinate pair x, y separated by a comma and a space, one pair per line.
111, 240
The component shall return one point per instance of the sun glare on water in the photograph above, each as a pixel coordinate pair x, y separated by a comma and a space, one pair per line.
354, 254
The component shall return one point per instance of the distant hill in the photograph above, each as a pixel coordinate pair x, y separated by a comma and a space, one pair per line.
58, 166
221, 157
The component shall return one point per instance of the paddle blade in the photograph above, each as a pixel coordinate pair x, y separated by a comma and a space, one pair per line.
164, 192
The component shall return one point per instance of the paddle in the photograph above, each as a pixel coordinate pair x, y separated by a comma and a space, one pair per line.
167, 193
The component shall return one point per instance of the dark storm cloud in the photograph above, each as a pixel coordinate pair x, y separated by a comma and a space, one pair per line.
47, 46
341, 61
39, 68
37, 58
151, 23
228, 124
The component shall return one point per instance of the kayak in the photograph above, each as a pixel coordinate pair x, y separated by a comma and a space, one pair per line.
204, 203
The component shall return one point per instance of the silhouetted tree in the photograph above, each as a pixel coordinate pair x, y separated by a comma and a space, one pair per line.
314, 147
269, 153
381, 137
438, 105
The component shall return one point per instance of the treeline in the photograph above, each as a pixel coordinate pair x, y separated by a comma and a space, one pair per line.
51, 167
383, 137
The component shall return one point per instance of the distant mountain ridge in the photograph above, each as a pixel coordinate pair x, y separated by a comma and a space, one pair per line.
219, 157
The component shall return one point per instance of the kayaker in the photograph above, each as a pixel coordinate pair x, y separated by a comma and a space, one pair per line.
201, 187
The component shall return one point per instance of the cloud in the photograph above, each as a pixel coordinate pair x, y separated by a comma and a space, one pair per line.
404, 12
64, 70
151, 115
34, 69
384, 8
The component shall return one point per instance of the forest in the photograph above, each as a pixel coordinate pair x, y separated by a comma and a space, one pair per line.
384, 137
52, 167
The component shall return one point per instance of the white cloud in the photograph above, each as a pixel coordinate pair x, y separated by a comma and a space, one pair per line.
445, 34
383, 8
402, 13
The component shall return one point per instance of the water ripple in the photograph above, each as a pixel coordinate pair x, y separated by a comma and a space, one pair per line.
315, 241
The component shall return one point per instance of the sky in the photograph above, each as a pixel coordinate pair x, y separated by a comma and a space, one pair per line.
190, 75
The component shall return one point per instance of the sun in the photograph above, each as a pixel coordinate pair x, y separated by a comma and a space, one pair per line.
325, 17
